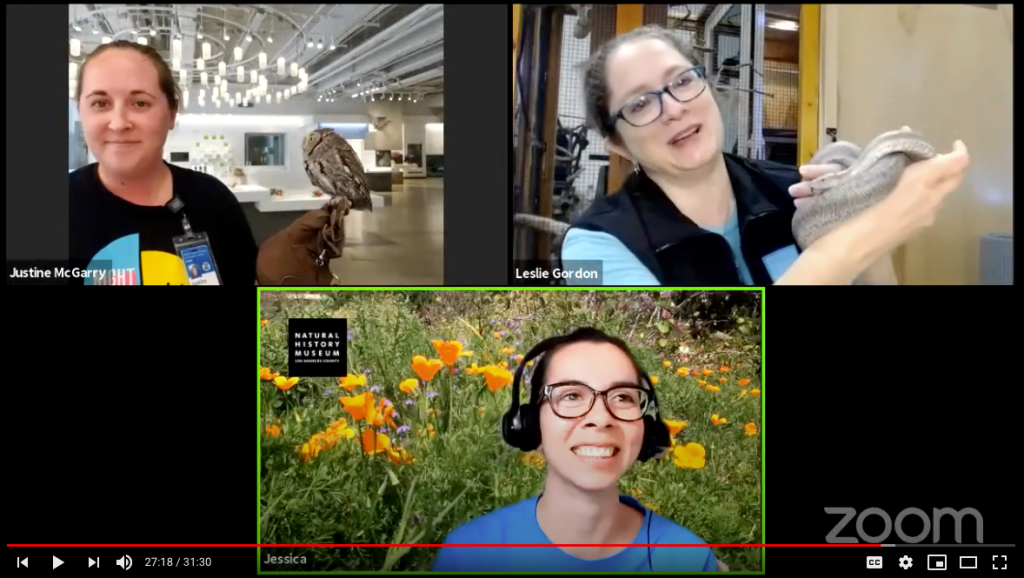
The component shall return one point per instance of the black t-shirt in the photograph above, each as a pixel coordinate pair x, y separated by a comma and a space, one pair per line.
137, 241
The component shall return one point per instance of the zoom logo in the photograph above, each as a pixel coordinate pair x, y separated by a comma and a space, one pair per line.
929, 522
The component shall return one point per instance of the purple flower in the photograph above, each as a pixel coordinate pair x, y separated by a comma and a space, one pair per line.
350, 336
384, 429
329, 392
367, 371
403, 429
455, 371
519, 342
493, 321
409, 402
431, 394
375, 388
512, 357
395, 414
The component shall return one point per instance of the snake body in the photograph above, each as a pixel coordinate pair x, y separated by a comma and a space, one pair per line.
867, 177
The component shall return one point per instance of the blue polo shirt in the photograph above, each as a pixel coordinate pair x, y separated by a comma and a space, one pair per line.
517, 524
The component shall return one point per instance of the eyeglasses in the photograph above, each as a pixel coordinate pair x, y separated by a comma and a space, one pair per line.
572, 400
646, 108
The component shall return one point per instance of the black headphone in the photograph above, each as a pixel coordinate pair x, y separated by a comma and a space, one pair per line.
520, 427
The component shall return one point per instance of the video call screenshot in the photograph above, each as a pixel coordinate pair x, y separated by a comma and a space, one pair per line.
565, 378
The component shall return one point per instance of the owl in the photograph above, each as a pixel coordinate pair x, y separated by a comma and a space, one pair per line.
334, 168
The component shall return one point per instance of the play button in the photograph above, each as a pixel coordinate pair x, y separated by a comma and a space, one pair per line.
57, 561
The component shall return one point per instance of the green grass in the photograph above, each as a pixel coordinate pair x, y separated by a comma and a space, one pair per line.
346, 496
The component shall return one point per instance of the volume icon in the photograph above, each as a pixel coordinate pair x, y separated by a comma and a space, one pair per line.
124, 562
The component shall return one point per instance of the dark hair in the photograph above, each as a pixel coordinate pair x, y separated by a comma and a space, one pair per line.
595, 75
166, 78
582, 335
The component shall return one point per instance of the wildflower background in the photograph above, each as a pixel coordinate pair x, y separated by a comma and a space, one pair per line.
407, 446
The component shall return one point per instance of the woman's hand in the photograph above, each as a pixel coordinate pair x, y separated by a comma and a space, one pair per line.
801, 191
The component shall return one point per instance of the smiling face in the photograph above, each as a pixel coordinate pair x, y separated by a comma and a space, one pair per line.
577, 450
648, 64
125, 114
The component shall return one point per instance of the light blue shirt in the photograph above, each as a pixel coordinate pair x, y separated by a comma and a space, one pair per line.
517, 524
621, 266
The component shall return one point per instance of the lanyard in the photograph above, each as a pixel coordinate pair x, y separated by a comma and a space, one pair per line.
176, 205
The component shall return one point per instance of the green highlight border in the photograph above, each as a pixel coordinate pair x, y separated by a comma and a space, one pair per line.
259, 432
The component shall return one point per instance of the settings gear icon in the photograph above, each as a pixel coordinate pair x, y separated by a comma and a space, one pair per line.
906, 562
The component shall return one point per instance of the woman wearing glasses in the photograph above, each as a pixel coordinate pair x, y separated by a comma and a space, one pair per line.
693, 215
592, 415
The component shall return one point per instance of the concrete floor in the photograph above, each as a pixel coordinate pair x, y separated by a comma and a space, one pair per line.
400, 244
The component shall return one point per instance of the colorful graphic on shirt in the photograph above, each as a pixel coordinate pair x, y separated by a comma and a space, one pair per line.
130, 266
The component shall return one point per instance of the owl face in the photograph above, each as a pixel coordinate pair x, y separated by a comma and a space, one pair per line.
314, 138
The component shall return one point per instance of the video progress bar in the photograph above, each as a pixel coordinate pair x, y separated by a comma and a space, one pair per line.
949, 545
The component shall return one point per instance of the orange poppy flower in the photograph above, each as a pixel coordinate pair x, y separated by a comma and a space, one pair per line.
358, 405
274, 431
712, 388
375, 444
352, 381
497, 377
750, 429
425, 368
755, 392
285, 383
675, 427
448, 351
267, 375
742, 382
689, 456
717, 420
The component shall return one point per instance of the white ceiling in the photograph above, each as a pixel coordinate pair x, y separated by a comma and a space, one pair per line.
397, 48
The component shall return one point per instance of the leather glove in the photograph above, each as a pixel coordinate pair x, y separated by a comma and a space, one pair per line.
299, 254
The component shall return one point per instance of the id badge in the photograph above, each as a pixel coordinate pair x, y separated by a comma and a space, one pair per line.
195, 253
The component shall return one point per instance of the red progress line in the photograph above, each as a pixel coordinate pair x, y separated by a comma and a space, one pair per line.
430, 545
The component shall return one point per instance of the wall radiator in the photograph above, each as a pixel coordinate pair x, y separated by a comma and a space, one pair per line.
996, 260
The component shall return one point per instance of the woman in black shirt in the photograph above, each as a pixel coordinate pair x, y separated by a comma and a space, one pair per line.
120, 220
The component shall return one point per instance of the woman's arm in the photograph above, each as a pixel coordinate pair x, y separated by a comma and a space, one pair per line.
619, 266
838, 257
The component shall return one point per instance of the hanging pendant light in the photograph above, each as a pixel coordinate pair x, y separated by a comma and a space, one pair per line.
106, 40
263, 59
175, 64
72, 70
280, 67
142, 40
202, 78
222, 68
76, 47
253, 77
216, 92
294, 69
200, 64
206, 51
241, 74
176, 48
278, 97
184, 77
184, 99
238, 53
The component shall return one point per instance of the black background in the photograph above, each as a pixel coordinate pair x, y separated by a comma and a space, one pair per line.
126, 426
321, 366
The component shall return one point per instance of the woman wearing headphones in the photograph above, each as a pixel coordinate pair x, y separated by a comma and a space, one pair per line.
592, 414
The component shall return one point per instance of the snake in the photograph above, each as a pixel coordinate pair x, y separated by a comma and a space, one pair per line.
867, 177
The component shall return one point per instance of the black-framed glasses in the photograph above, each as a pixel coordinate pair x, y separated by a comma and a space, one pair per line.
570, 400
643, 109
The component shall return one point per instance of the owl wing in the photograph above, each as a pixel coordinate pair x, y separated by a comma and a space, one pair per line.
319, 176
357, 188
